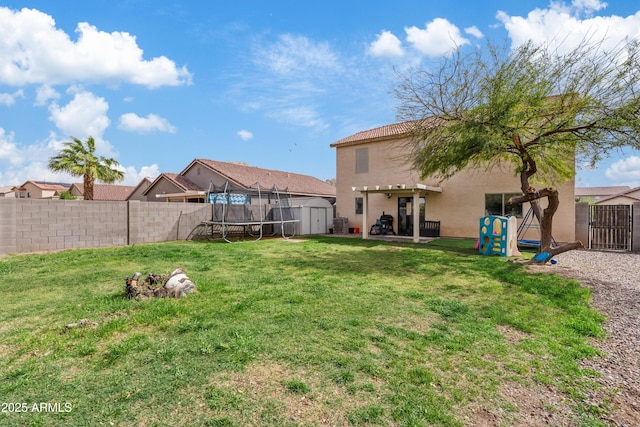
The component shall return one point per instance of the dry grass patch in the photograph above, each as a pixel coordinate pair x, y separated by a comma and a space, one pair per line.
280, 393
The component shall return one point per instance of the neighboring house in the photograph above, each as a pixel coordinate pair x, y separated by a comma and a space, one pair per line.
594, 194
7, 191
194, 182
104, 191
627, 197
374, 175
138, 191
40, 190
172, 187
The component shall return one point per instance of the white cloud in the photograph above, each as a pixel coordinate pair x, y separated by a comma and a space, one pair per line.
9, 99
387, 44
625, 171
245, 135
34, 51
44, 94
474, 31
132, 176
292, 55
299, 116
133, 123
8, 148
438, 38
20, 162
85, 115
589, 5
564, 27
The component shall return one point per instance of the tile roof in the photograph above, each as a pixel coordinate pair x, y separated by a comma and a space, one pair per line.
108, 191
180, 181
379, 133
248, 176
628, 193
600, 191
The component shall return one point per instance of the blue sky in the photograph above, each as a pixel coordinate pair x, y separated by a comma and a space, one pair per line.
271, 83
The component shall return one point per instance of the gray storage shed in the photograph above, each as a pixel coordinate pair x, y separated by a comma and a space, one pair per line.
315, 215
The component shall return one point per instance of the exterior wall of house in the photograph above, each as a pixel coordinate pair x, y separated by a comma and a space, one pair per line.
34, 192
163, 186
202, 176
458, 207
139, 190
32, 225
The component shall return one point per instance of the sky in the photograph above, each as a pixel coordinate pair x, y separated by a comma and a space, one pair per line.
271, 83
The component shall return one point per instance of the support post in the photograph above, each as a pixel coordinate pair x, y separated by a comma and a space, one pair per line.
365, 213
416, 216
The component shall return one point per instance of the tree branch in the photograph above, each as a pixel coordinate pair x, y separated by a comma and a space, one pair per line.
531, 196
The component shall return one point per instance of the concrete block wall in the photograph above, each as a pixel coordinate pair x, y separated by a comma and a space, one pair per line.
161, 222
32, 225
582, 223
635, 236
45, 225
8, 225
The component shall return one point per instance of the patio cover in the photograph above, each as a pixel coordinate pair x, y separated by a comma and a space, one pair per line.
417, 190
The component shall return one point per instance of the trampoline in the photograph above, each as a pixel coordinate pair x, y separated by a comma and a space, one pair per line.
247, 213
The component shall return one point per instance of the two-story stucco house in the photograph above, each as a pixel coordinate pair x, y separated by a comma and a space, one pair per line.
374, 175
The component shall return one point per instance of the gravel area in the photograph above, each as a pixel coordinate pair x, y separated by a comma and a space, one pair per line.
615, 280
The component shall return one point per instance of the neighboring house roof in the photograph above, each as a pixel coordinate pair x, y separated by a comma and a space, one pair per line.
380, 133
43, 185
629, 194
179, 181
248, 176
600, 191
142, 186
7, 189
107, 191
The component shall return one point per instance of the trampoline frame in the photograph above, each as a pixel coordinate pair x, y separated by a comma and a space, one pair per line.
226, 226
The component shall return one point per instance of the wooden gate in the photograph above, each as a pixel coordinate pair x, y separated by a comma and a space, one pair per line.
610, 227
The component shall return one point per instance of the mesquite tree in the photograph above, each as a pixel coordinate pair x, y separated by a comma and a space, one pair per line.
539, 109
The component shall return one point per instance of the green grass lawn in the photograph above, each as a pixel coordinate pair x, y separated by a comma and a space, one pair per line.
329, 331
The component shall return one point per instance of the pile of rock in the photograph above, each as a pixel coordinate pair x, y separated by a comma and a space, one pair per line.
175, 284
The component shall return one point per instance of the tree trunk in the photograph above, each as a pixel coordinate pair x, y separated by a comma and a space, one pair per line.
545, 217
546, 251
88, 186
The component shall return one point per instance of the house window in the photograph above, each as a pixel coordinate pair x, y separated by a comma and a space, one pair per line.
498, 204
362, 160
358, 205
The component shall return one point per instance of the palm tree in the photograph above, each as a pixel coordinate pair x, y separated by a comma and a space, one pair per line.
79, 159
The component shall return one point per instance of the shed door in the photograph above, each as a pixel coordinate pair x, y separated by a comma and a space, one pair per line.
318, 220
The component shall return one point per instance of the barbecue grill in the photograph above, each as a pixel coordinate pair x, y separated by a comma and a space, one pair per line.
383, 225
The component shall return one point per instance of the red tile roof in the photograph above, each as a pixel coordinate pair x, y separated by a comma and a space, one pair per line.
380, 133
248, 176
108, 191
